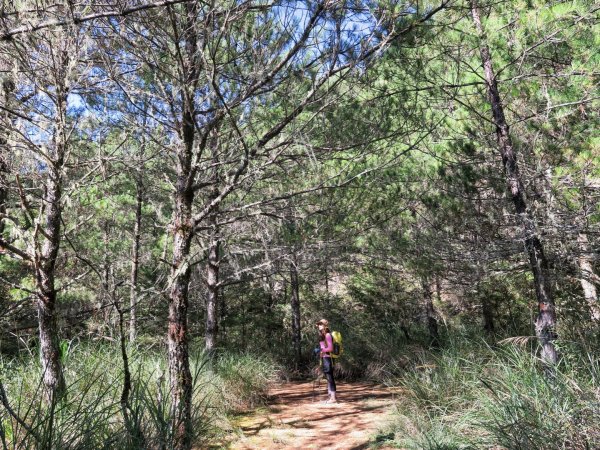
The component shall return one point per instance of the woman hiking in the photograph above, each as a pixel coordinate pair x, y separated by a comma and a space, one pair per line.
326, 346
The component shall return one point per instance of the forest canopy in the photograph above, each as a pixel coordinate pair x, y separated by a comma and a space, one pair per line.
187, 184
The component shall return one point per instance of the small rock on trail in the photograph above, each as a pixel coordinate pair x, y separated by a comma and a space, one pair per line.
297, 419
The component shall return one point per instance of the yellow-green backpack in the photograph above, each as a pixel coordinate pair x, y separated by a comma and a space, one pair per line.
338, 346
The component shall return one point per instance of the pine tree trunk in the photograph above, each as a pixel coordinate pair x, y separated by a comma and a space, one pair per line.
488, 316
3, 182
178, 348
212, 266
135, 260
45, 272
546, 320
327, 300
212, 281
270, 298
588, 276
7, 91
46, 254
6, 121
53, 378
106, 272
178, 353
295, 304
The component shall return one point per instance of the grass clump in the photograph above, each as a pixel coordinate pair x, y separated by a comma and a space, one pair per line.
471, 395
528, 407
92, 416
244, 380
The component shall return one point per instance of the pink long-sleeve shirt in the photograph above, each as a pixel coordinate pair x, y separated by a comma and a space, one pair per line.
326, 345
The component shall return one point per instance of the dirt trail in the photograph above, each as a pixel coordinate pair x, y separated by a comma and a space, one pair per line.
296, 418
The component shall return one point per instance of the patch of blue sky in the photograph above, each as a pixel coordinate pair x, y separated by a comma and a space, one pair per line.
76, 106
347, 28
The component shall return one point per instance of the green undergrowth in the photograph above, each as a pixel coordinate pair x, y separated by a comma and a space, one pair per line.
472, 395
91, 415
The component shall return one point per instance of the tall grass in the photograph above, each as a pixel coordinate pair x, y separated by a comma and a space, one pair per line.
92, 416
471, 395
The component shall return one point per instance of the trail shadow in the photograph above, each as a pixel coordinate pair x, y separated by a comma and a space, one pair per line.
254, 429
304, 393
297, 408
361, 446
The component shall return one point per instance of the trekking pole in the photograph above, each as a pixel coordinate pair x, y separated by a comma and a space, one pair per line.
316, 382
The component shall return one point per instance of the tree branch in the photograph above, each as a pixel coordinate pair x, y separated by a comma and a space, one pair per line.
76, 19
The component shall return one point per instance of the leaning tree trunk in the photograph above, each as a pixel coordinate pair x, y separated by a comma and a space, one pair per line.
546, 320
295, 304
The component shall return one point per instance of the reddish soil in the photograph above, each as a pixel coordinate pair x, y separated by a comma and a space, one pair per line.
296, 418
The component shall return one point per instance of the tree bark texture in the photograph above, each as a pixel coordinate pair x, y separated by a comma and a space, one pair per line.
178, 353
212, 265
212, 281
45, 259
3, 181
546, 320
47, 252
295, 304
135, 259
178, 348
7, 91
107, 300
588, 277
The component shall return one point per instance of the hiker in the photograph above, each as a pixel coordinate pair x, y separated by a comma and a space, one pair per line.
326, 345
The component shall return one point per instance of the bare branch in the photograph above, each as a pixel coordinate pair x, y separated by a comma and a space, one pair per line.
75, 19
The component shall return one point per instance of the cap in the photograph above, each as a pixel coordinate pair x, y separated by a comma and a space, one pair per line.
323, 322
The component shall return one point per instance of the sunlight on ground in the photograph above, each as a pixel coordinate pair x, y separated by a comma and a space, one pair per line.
296, 418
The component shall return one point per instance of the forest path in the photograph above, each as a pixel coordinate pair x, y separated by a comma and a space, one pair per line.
296, 418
